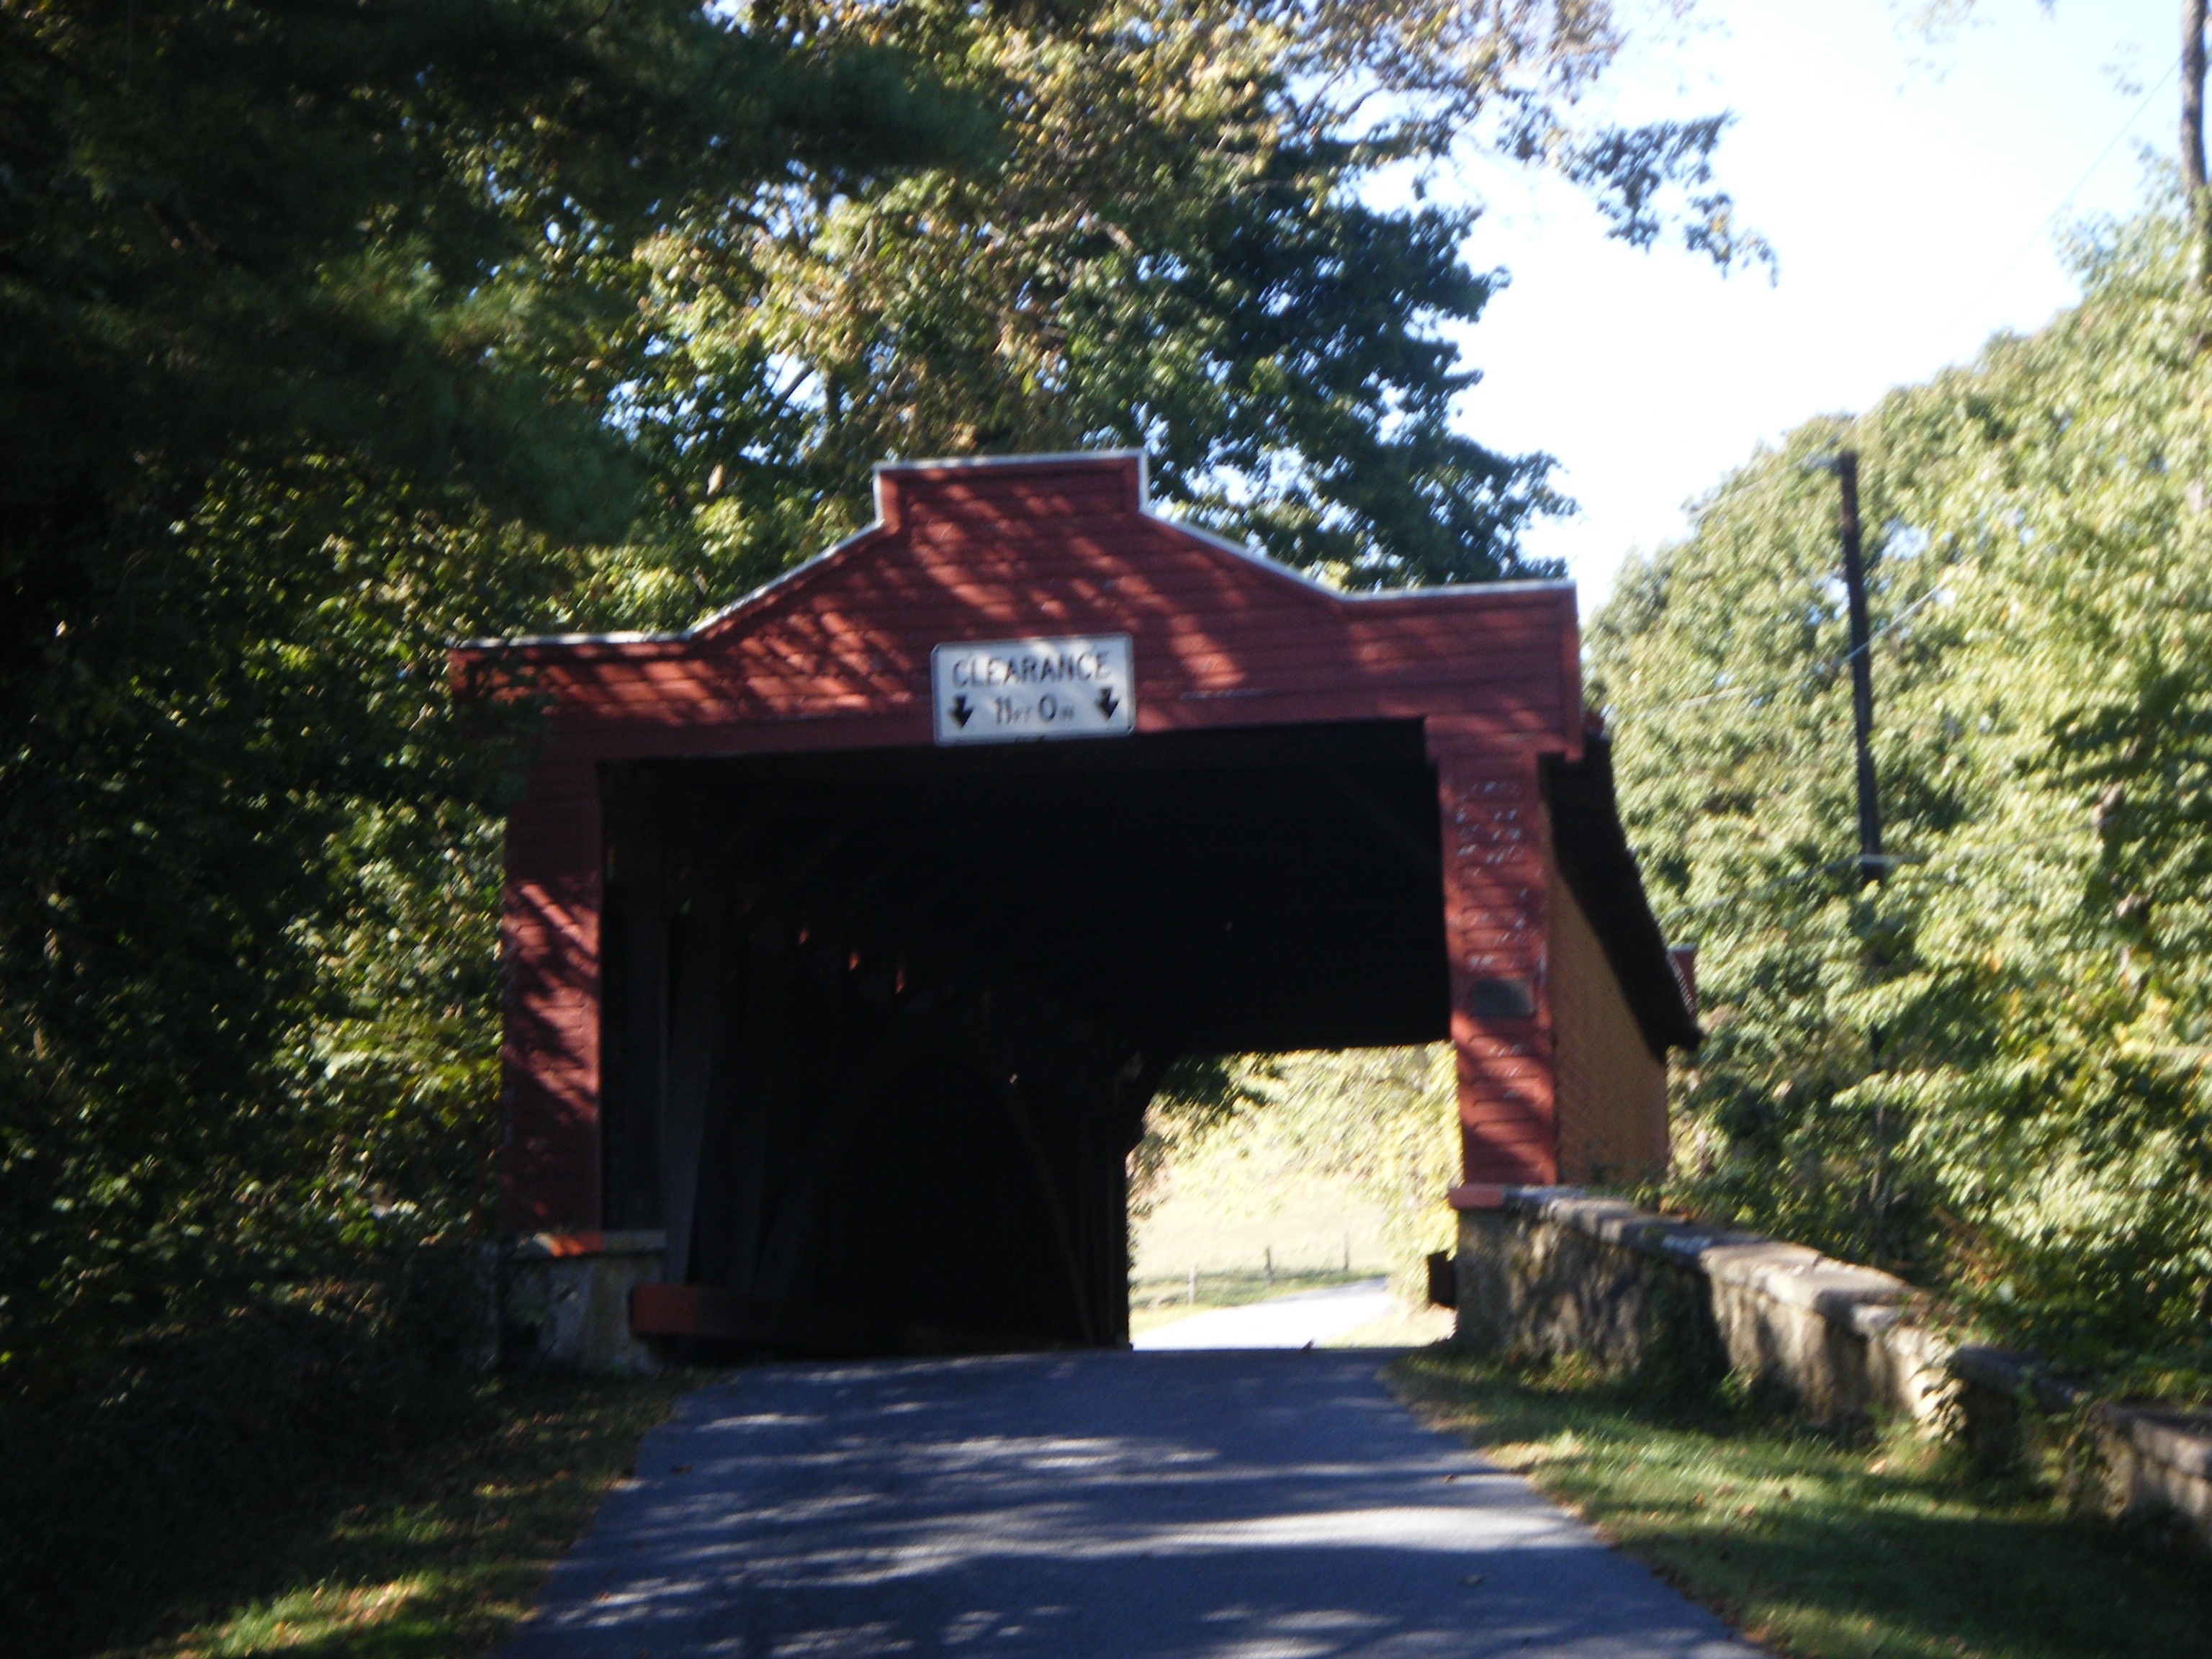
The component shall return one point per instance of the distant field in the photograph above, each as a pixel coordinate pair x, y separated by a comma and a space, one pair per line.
1311, 1225
1319, 1233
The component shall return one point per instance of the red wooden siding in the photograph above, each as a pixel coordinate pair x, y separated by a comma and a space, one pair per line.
1494, 928
550, 1056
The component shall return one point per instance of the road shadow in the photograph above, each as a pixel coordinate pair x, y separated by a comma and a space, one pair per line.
1096, 1503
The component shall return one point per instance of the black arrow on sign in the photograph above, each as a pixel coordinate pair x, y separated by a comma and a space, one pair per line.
960, 711
1108, 702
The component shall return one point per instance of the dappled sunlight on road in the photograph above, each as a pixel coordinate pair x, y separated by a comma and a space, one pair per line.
1170, 1504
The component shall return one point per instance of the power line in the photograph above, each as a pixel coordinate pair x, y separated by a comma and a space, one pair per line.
1937, 864
1817, 671
1775, 886
2044, 229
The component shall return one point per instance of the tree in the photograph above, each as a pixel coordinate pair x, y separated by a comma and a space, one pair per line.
313, 320
1176, 254
328, 333
2036, 1139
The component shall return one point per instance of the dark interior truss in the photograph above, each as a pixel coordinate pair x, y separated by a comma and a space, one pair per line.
880, 1027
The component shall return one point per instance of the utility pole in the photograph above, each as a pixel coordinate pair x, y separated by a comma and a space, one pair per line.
2195, 195
1872, 866
1871, 863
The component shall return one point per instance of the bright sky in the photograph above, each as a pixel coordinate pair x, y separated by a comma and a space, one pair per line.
1912, 196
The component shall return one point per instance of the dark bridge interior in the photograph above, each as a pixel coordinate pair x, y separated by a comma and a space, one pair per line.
881, 1026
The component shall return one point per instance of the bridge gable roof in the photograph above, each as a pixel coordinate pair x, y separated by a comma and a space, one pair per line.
837, 652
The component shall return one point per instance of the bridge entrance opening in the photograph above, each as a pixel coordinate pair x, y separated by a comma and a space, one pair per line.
881, 1026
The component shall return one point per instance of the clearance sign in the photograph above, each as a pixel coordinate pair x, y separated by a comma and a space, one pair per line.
1006, 690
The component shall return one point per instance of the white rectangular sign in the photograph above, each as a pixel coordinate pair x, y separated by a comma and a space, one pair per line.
1005, 691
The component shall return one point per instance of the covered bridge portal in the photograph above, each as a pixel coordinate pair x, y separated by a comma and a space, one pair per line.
817, 965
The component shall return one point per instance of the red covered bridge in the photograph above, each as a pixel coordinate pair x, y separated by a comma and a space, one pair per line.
849, 933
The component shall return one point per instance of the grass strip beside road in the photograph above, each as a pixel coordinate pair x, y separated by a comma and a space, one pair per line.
1818, 1546
439, 1553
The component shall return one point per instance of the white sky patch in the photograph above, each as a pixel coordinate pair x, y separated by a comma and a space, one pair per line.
1909, 195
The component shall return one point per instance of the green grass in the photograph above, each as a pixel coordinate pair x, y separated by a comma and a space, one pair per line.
436, 1553
1823, 1548
1820, 1547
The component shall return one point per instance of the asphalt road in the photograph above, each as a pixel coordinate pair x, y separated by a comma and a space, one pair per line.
1240, 1505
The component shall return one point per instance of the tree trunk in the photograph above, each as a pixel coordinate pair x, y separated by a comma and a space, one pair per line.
2198, 199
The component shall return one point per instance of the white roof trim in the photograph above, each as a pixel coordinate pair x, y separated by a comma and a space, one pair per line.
500, 642
785, 579
517, 640
1277, 567
1241, 549
1042, 458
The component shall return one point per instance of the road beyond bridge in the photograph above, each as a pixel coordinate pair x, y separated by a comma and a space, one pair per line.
1250, 1503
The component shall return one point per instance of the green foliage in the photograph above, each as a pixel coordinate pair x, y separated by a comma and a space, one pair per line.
1163, 260
1175, 253
1988, 1070
1199, 1099
186, 1446
304, 1478
313, 323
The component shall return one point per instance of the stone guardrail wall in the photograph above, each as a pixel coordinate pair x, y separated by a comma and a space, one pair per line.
1554, 1270
563, 1300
